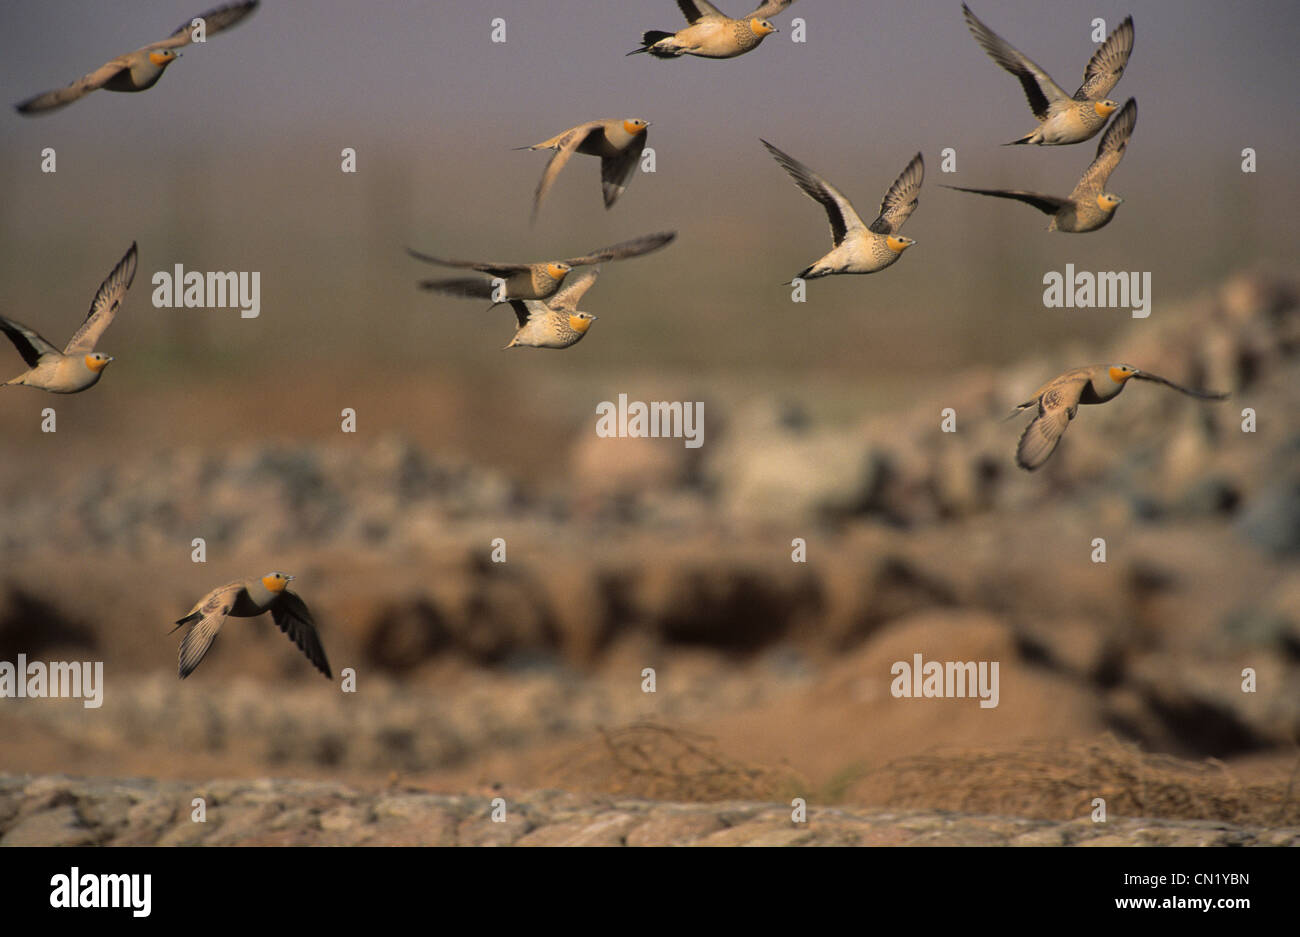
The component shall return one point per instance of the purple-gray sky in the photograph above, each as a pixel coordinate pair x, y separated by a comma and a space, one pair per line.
231, 162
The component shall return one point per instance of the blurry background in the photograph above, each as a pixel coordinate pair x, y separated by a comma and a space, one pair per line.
821, 419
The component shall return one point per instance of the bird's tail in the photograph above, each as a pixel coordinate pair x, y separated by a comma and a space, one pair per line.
649, 38
1027, 138
16, 380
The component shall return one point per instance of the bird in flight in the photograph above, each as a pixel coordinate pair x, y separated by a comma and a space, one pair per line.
78, 366
1062, 118
1089, 206
141, 69
1058, 400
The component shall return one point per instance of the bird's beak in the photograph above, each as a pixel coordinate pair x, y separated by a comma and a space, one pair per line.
111, 358
290, 578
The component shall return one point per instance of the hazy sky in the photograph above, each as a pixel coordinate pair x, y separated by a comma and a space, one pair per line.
232, 162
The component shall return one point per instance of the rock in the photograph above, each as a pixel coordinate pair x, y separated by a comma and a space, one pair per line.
58, 827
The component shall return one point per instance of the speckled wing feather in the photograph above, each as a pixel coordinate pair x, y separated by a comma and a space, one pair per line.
900, 200
215, 20
1039, 87
1107, 64
839, 211
208, 617
105, 305
566, 298
291, 615
1056, 407
1109, 152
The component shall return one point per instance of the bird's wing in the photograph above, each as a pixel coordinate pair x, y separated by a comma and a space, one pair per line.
525, 309
1109, 152
1201, 394
210, 613
839, 210
695, 9
769, 9
1056, 408
565, 148
900, 200
1048, 204
291, 615
1039, 87
1107, 64
105, 305
624, 249
52, 100
29, 344
566, 298
616, 170
464, 287
486, 266
215, 20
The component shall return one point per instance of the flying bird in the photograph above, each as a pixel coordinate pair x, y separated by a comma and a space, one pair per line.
531, 281
1058, 400
618, 143
859, 248
711, 34
78, 366
1089, 206
249, 598
555, 322
1062, 118
141, 69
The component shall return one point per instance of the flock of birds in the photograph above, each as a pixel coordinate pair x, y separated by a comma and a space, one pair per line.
545, 295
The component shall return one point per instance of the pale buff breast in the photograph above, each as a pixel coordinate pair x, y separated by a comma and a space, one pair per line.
62, 375
550, 331
1074, 122
718, 38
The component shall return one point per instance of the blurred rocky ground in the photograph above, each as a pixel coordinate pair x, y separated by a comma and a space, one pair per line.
61, 811
648, 554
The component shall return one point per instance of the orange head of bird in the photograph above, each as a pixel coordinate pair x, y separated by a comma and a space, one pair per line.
276, 582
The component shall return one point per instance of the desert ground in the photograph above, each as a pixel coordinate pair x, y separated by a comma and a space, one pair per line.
524, 679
